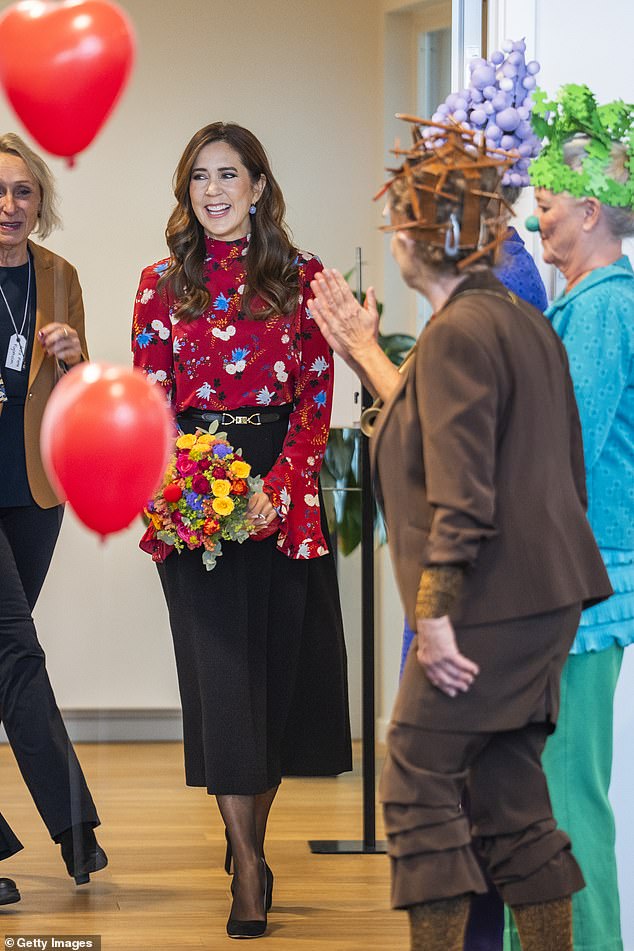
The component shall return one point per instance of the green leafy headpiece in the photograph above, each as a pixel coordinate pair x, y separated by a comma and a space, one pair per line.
575, 111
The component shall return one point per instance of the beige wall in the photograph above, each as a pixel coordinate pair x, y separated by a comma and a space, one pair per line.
306, 79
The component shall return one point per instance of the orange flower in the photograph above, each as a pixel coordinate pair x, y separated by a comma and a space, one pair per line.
239, 487
211, 525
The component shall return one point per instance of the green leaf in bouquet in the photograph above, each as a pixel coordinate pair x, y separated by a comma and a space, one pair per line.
168, 538
210, 557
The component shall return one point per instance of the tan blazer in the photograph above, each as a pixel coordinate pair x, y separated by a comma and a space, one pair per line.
478, 461
58, 299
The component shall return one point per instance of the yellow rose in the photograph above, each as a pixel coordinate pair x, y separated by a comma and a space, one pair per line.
204, 439
186, 441
222, 506
240, 469
220, 488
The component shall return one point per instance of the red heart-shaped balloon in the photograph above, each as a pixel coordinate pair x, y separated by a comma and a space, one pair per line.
63, 66
106, 438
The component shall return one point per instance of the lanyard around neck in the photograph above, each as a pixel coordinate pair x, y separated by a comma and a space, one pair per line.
19, 333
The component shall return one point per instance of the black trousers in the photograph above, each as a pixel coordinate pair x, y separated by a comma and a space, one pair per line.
28, 710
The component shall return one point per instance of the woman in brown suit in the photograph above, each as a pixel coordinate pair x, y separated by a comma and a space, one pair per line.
479, 467
41, 336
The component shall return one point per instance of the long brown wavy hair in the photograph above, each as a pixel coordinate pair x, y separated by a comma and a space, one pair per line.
271, 272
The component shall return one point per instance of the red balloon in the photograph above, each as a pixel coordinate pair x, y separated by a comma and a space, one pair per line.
63, 67
107, 435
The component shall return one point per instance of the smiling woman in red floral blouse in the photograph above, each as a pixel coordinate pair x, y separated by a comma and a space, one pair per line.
222, 326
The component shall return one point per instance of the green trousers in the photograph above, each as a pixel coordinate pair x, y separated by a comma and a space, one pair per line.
578, 764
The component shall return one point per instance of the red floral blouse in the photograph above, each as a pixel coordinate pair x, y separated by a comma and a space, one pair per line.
225, 360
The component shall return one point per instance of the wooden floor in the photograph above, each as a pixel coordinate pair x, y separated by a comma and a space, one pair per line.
165, 886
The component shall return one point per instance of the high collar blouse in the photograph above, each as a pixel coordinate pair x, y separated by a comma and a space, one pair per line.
225, 360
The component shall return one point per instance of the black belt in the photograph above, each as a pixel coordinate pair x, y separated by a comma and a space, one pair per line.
237, 417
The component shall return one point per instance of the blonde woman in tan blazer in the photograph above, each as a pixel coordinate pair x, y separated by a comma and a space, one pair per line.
479, 466
41, 337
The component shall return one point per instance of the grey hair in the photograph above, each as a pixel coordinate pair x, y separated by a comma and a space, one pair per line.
48, 217
620, 220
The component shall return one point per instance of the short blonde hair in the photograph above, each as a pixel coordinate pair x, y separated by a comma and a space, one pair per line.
48, 217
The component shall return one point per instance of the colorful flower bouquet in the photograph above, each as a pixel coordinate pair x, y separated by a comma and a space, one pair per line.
202, 501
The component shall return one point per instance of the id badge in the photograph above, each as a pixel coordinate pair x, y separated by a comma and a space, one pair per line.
16, 352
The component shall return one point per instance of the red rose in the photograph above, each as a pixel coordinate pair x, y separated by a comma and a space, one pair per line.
185, 465
239, 487
219, 472
200, 484
204, 464
172, 492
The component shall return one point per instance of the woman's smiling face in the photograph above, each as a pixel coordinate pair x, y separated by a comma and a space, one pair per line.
19, 205
221, 192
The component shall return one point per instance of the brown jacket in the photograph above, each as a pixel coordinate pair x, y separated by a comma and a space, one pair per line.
479, 462
58, 299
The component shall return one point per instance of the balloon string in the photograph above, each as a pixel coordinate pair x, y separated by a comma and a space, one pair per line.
71, 161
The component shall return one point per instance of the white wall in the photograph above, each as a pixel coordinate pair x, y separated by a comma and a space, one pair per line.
305, 78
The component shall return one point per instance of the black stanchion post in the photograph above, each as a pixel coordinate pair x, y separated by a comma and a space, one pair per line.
368, 845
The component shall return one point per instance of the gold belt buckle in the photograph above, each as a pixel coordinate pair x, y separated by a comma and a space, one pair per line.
229, 419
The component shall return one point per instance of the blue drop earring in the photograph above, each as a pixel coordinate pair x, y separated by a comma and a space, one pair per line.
252, 210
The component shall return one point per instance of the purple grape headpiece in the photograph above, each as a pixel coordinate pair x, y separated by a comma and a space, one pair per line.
497, 105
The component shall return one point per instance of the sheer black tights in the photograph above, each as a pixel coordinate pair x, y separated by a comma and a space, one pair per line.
245, 819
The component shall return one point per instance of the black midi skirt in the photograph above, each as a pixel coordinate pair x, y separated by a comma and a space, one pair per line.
260, 655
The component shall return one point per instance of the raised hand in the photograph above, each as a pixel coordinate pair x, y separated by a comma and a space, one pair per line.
349, 328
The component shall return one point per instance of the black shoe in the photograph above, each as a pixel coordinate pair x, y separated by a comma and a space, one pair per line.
236, 928
8, 891
81, 852
270, 878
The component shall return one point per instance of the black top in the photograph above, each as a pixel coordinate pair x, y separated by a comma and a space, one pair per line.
14, 486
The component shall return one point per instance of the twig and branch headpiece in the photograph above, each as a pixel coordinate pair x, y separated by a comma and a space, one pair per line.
451, 182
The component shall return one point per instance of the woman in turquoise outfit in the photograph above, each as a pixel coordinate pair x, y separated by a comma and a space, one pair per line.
584, 182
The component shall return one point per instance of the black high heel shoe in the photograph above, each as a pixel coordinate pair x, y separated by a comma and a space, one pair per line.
81, 852
270, 878
238, 928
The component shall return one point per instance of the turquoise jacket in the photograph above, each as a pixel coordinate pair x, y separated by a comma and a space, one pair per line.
595, 320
